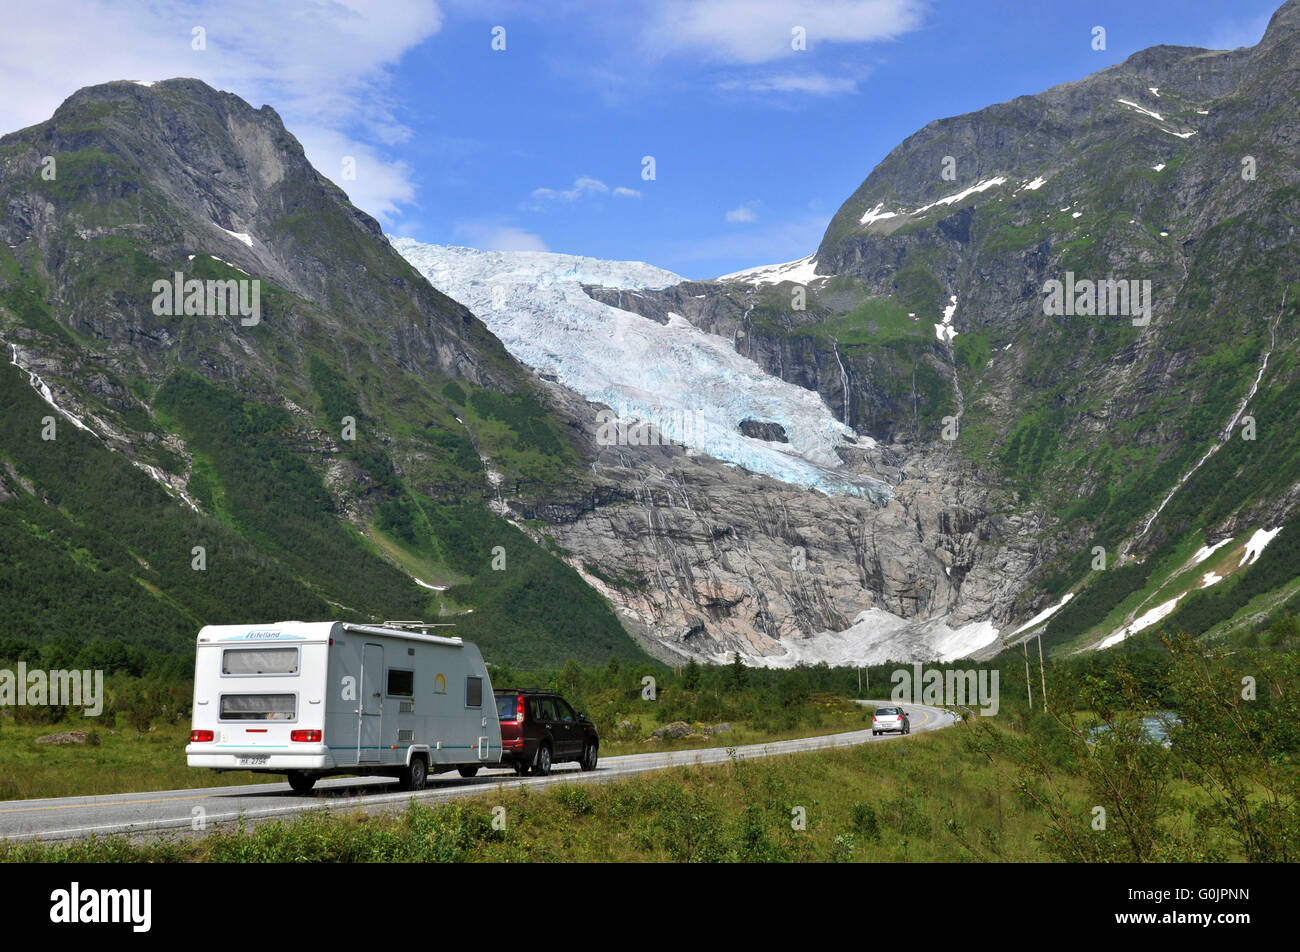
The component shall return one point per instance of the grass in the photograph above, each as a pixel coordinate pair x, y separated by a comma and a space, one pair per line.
913, 800
128, 761
124, 760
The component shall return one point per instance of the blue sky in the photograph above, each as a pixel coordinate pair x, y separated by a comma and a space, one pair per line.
540, 145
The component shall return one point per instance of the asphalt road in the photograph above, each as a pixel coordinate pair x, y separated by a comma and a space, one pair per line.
66, 818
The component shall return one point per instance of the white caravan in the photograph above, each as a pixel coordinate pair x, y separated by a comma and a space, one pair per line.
309, 699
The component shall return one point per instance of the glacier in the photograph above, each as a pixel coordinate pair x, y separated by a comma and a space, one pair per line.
691, 385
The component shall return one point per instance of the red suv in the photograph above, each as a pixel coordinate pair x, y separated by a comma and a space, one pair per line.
540, 729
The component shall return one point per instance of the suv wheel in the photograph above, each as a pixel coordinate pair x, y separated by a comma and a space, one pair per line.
543, 765
589, 756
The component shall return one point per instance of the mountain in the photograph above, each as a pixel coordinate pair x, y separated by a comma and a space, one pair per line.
312, 457
1125, 440
923, 440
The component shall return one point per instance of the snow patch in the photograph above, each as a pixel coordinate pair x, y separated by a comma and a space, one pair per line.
1045, 614
1256, 545
1156, 168
945, 331
877, 636
877, 214
800, 272
1145, 621
1205, 551
1209, 578
1144, 111
1035, 185
228, 264
239, 236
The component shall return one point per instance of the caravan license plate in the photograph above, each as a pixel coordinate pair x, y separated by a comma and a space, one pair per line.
256, 761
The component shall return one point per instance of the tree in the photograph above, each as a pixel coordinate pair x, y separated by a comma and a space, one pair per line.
738, 676
691, 676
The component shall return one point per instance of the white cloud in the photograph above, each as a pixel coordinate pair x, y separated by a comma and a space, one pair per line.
324, 66
496, 235
818, 84
745, 214
759, 31
582, 186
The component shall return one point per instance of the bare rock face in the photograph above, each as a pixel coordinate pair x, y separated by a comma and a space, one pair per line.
702, 559
764, 430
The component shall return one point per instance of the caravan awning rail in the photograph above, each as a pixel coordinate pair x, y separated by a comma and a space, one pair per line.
402, 633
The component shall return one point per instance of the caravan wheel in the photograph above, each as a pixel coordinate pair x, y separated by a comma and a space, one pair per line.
416, 774
301, 782
469, 771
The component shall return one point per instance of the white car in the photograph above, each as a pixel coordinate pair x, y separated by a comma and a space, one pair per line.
890, 719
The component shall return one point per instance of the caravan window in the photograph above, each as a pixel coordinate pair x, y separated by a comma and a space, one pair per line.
401, 683
258, 707
238, 661
473, 692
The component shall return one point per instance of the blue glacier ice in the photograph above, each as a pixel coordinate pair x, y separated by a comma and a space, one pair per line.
690, 384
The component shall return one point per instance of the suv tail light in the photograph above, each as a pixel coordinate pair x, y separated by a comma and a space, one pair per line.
305, 737
201, 737
519, 708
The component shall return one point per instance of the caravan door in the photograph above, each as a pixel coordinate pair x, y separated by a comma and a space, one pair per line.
372, 703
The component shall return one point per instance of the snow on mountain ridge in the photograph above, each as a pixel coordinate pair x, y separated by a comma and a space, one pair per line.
691, 384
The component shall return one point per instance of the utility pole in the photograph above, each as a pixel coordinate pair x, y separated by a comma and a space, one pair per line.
1029, 684
1042, 675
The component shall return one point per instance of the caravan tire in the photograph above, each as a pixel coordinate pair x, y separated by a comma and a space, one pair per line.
469, 771
301, 782
416, 774
543, 765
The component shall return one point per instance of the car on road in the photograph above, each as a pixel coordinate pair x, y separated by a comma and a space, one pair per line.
890, 719
540, 729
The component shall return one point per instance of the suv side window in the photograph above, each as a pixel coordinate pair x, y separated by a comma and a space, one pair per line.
547, 705
535, 712
565, 712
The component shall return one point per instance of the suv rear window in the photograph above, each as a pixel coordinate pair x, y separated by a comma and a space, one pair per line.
506, 707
